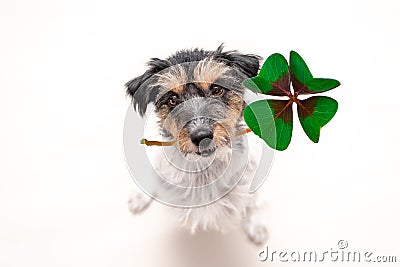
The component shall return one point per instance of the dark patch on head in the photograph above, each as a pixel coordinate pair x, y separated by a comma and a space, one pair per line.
141, 98
246, 65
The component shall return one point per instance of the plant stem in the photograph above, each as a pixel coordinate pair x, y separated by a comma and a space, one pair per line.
146, 142
245, 131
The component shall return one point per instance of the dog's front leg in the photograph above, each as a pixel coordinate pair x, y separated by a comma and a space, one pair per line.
138, 202
254, 222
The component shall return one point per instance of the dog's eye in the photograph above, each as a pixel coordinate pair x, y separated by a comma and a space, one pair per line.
173, 101
216, 90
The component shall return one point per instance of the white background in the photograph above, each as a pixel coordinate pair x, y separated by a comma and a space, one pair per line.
63, 179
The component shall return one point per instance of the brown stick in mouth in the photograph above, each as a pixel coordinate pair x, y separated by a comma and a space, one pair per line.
146, 142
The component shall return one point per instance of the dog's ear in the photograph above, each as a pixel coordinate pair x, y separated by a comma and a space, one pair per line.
147, 93
248, 64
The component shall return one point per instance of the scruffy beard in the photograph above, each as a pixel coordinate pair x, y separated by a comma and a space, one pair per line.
193, 169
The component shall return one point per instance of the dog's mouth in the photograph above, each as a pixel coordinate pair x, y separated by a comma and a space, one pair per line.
206, 152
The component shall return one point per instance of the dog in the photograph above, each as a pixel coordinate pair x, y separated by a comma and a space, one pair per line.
198, 99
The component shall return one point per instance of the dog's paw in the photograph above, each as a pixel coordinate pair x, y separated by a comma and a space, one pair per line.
256, 232
138, 202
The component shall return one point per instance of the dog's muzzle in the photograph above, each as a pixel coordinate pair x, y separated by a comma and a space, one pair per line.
201, 134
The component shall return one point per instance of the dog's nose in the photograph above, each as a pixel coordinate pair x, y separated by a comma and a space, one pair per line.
202, 134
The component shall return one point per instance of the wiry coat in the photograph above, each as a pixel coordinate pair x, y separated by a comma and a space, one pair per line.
196, 91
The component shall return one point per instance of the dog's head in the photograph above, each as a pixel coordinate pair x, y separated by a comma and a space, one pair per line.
198, 96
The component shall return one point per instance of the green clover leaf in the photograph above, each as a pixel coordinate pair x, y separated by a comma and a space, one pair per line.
273, 78
272, 120
302, 79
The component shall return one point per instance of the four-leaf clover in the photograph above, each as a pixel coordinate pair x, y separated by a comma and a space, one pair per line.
272, 120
